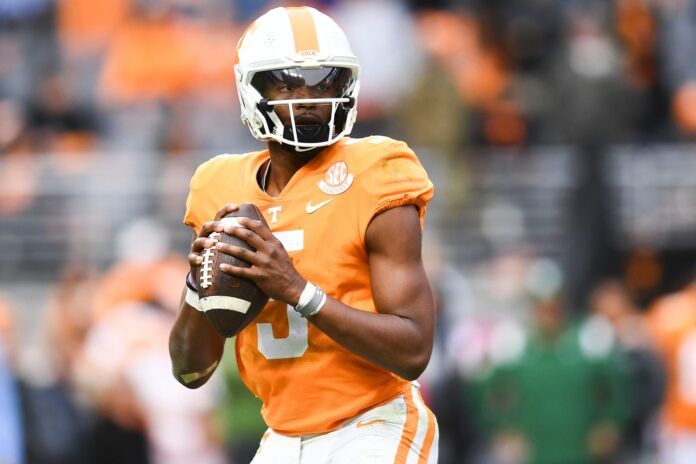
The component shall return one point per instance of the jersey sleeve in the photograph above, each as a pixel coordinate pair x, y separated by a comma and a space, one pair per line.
197, 208
396, 178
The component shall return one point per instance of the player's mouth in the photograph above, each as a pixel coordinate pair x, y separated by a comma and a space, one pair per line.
306, 119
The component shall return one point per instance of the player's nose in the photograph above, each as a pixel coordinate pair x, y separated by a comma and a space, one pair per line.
305, 92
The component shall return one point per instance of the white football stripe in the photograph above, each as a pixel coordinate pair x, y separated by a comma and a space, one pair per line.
192, 299
224, 302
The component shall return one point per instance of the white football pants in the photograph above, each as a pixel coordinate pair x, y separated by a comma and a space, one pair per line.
403, 431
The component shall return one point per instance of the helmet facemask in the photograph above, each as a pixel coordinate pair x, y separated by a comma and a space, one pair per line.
330, 86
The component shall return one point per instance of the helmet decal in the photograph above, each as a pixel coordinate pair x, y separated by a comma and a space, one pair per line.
303, 30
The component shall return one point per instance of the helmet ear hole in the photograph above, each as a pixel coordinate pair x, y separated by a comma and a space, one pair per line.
342, 116
267, 120
263, 106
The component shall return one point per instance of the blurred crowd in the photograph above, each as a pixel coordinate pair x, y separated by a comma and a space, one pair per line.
517, 374
115, 96
97, 387
521, 376
78, 75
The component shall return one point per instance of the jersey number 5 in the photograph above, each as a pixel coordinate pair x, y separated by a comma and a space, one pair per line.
295, 344
292, 346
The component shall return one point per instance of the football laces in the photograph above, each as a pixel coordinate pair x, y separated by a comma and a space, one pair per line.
206, 274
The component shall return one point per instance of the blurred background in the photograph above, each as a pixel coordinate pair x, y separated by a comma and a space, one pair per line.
561, 244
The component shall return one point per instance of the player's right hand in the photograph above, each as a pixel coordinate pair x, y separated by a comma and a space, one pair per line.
202, 241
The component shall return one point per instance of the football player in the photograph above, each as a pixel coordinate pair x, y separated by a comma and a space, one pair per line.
335, 354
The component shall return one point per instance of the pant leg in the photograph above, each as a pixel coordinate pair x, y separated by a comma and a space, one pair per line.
401, 431
275, 448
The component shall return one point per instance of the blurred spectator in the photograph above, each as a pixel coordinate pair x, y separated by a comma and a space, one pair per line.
445, 386
58, 124
12, 125
683, 107
11, 423
86, 27
137, 69
677, 34
145, 271
556, 394
456, 42
383, 35
239, 412
126, 373
58, 428
143, 88
69, 317
612, 301
673, 324
18, 185
101, 374
20, 9
18, 178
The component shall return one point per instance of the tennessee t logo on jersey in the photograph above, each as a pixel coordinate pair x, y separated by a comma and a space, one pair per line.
337, 179
274, 213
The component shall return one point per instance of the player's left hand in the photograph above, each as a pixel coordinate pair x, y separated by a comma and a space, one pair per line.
271, 268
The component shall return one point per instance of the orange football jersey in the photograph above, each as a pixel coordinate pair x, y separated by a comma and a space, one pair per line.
673, 325
308, 383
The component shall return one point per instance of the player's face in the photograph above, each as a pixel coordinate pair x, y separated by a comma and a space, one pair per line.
295, 84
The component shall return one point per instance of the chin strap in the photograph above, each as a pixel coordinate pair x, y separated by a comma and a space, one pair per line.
309, 133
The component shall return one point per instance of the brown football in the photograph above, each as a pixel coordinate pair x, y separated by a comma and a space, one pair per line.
230, 303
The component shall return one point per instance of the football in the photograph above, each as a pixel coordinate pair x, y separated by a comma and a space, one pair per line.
229, 303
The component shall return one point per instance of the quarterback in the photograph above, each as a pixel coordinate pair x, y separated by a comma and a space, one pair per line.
349, 327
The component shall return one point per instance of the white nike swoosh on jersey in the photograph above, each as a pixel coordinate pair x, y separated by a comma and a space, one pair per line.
312, 208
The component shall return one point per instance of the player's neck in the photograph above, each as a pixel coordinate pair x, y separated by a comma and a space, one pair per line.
285, 162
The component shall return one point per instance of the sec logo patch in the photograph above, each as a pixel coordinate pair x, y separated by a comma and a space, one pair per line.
336, 179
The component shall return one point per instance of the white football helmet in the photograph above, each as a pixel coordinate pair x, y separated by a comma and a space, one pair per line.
297, 46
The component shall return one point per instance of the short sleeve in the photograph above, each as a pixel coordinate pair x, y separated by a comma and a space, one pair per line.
396, 178
190, 217
196, 202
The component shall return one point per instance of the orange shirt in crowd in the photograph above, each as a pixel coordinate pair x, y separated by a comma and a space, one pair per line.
166, 59
309, 383
88, 25
673, 324
130, 282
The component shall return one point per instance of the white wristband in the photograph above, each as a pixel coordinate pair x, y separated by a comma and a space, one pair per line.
312, 299
318, 307
193, 300
306, 295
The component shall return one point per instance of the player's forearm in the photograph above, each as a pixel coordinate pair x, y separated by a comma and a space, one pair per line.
195, 348
393, 342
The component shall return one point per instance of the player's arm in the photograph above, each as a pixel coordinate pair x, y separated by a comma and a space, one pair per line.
194, 346
400, 336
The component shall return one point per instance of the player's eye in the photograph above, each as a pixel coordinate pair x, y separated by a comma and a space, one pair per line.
291, 87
